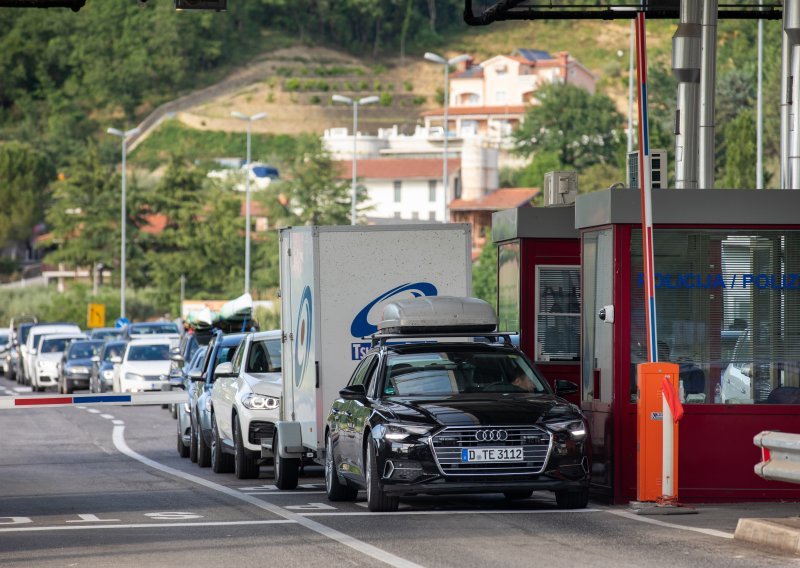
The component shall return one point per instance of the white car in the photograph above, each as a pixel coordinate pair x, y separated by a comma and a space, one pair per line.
246, 404
144, 366
28, 351
46, 358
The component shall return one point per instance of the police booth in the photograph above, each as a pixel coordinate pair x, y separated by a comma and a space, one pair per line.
538, 287
727, 278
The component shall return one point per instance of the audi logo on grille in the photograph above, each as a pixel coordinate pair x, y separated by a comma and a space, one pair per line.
491, 435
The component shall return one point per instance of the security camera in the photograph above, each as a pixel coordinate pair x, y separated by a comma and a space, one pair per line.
606, 314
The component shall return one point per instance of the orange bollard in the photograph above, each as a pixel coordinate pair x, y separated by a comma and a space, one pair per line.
649, 431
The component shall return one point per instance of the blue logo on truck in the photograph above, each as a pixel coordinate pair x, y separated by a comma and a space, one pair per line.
362, 327
302, 336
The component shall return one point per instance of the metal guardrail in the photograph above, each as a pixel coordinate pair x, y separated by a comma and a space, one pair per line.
126, 399
780, 455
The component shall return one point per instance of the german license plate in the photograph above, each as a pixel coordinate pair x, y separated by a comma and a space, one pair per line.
491, 455
155, 386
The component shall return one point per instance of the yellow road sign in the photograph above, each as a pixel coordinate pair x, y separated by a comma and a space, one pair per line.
96, 315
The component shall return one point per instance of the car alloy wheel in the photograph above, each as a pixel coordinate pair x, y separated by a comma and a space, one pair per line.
220, 461
336, 490
377, 500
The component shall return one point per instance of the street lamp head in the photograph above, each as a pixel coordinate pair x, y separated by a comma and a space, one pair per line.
368, 100
116, 132
258, 116
342, 99
435, 58
458, 59
241, 115
132, 132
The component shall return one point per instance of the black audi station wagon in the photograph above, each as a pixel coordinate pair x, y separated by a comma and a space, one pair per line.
450, 415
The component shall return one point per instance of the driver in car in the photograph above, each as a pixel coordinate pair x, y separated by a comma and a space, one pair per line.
524, 382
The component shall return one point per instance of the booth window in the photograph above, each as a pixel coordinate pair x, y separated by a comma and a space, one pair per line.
727, 304
508, 286
558, 313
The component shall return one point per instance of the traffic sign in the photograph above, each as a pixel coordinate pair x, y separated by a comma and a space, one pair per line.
121, 322
96, 316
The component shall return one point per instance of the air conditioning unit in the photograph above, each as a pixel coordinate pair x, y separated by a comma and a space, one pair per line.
658, 168
560, 188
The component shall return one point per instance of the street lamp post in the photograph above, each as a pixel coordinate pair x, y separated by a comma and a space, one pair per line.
446, 63
123, 219
354, 103
250, 120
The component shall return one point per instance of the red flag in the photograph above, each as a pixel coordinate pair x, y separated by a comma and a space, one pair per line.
673, 400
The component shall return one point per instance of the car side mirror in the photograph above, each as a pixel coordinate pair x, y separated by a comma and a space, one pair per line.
196, 375
353, 392
177, 358
224, 370
32, 352
565, 387
116, 359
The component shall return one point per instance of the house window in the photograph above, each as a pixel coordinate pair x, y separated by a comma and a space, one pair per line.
501, 69
415, 215
473, 99
500, 97
469, 127
432, 190
397, 192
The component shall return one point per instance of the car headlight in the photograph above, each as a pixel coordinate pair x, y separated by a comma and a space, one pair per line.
133, 377
398, 431
108, 375
575, 428
261, 402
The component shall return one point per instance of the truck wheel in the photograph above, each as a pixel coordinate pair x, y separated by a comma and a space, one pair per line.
244, 466
203, 449
336, 490
377, 500
220, 461
572, 499
287, 470
192, 443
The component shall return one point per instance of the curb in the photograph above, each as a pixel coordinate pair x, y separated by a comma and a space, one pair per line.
778, 534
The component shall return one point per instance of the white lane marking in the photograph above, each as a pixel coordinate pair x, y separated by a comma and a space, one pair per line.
89, 518
149, 525
118, 422
284, 492
311, 507
93, 410
80, 407
651, 521
107, 416
23, 389
118, 437
476, 512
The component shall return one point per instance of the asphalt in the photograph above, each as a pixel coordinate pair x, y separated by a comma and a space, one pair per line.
95, 487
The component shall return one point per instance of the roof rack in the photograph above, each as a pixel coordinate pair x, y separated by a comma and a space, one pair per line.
382, 338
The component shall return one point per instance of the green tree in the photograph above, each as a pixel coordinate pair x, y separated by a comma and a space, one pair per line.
740, 155
24, 175
582, 128
484, 273
84, 216
313, 193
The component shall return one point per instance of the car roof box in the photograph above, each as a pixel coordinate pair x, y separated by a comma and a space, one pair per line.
438, 314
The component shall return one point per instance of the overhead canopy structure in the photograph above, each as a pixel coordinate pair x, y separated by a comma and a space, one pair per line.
483, 12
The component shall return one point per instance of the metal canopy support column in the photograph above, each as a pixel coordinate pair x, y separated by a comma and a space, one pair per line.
708, 84
686, 69
786, 56
791, 28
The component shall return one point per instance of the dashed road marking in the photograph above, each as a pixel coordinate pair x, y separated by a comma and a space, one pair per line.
93, 410
648, 520
107, 416
118, 422
149, 525
465, 512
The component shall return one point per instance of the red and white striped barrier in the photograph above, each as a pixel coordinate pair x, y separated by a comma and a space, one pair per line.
121, 399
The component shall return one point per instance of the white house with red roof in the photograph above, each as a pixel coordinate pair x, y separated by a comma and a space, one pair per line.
490, 98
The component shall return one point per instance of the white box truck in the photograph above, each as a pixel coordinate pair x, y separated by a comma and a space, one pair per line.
334, 284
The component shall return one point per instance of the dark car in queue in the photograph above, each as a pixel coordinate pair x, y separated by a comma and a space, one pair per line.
76, 365
182, 411
102, 377
16, 367
453, 417
221, 349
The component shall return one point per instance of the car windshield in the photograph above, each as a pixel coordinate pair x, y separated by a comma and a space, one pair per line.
106, 333
148, 353
55, 345
84, 350
113, 350
154, 328
3, 339
460, 371
264, 357
23, 331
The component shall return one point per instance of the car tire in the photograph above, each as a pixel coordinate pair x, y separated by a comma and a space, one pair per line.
203, 449
68, 389
377, 500
174, 411
287, 470
336, 489
518, 494
220, 461
572, 499
183, 450
192, 443
244, 466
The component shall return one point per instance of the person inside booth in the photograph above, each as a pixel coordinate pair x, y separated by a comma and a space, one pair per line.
691, 376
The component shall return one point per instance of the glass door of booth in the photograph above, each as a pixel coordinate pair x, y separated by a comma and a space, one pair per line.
597, 370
